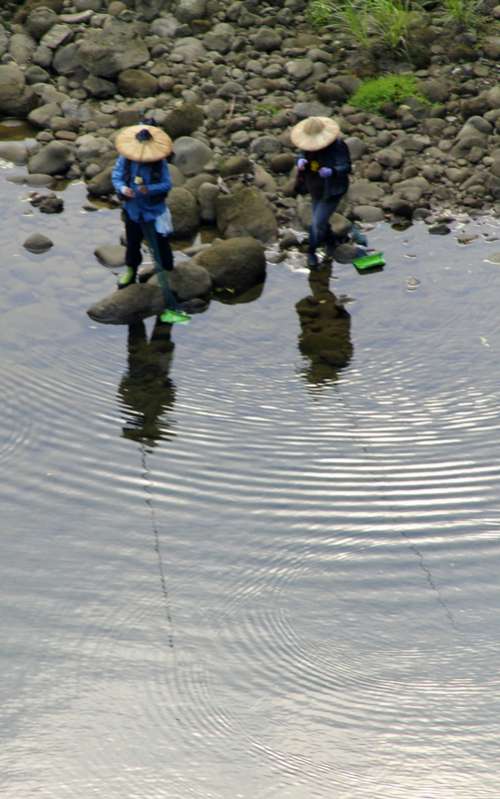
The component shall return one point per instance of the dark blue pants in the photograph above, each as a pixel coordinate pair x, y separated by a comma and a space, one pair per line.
135, 235
320, 231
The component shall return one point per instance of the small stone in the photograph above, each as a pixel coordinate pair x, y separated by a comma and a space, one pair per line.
38, 243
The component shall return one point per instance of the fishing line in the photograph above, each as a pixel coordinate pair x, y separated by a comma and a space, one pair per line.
412, 545
148, 490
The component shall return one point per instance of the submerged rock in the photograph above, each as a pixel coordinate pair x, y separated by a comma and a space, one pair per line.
38, 243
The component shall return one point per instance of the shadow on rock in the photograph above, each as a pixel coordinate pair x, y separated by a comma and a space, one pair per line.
146, 392
325, 336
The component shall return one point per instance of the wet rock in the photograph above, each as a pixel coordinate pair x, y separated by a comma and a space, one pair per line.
14, 151
67, 60
191, 155
246, 212
189, 280
184, 120
39, 21
368, 213
207, 199
235, 165
219, 38
237, 264
184, 210
440, 229
101, 184
38, 243
15, 98
189, 10
128, 305
53, 159
137, 83
108, 52
111, 255
48, 203
21, 48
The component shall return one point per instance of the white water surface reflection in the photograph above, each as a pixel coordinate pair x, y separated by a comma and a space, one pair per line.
227, 572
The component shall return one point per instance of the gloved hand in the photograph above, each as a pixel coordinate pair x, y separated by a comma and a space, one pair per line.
325, 172
301, 163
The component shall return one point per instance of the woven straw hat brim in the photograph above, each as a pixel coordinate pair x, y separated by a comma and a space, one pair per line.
312, 142
159, 146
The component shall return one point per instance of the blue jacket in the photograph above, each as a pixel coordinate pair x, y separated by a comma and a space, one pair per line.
142, 207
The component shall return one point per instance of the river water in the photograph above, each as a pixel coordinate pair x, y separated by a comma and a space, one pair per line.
230, 572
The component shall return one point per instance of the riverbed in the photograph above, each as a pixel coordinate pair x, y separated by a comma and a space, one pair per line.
227, 572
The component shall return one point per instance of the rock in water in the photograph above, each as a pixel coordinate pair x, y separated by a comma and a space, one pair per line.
38, 243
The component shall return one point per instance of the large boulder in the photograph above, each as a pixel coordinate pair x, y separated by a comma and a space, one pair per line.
237, 264
191, 155
15, 98
108, 52
184, 120
188, 10
128, 305
14, 151
101, 185
53, 159
184, 210
189, 280
137, 83
246, 212
21, 48
220, 38
40, 21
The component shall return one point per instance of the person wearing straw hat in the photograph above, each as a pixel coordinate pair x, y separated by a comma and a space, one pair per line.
323, 169
141, 179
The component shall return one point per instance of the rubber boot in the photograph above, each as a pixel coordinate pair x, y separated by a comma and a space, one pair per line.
127, 278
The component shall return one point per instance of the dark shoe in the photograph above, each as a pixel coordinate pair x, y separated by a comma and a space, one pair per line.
312, 260
330, 248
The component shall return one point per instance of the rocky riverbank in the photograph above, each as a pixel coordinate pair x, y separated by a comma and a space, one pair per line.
227, 81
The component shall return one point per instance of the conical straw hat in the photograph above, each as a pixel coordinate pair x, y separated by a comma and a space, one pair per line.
144, 143
314, 133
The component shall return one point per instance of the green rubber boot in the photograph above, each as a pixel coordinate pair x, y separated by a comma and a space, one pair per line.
127, 278
175, 317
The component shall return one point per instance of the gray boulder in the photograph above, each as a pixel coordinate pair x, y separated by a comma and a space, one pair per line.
111, 255
189, 50
189, 280
108, 52
128, 305
40, 117
101, 185
191, 155
14, 151
15, 98
39, 21
57, 36
21, 48
53, 159
220, 38
184, 210
188, 10
237, 264
267, 39
207, 199
66, 60
246, 212
137, 83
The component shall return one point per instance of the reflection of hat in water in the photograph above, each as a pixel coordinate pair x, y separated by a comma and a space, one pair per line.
145, 143
314, 133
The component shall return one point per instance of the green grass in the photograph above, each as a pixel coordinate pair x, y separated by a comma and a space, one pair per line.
462, 12
320, 13
373, 94
268, 108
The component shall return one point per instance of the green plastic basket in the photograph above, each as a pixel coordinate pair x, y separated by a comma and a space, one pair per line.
374, 260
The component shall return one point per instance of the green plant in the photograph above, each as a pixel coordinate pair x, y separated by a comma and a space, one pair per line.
373, 94
462, 12
268, 108
319, 12
379, 22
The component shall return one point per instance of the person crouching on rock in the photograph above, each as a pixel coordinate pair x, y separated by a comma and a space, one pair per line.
323, 169
141, 179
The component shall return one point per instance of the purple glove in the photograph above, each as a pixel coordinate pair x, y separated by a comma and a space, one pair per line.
301, 163
325, 172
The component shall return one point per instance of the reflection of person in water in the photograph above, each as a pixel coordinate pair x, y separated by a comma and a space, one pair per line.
146, 390
325, 336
